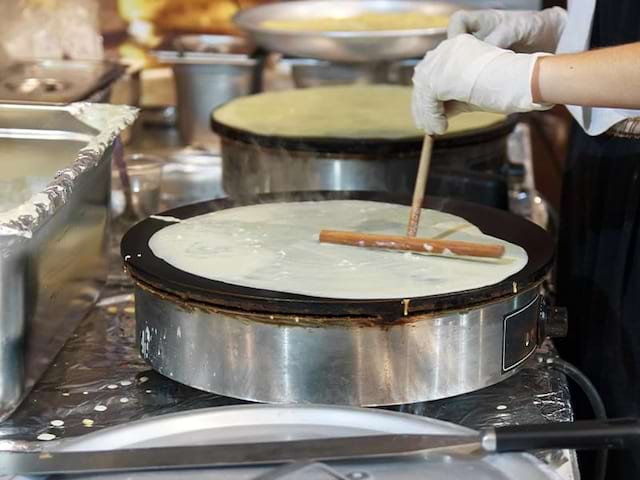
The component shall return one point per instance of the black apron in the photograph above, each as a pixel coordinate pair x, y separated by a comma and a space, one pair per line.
599, 253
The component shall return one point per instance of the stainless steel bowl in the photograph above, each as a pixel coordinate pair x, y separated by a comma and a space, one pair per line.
344, 46
209, 70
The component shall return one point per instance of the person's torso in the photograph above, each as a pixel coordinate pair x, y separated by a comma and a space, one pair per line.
615, 22
593, 24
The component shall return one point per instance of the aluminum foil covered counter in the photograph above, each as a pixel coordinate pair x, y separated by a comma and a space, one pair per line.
99, 380
54, 192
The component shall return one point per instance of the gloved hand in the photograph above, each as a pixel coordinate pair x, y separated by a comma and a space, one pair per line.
470, 74
521, 31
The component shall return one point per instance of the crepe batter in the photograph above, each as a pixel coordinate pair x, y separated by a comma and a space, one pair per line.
275, 247
360, 111
361, 23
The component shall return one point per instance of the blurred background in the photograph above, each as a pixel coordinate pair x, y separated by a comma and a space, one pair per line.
129, 31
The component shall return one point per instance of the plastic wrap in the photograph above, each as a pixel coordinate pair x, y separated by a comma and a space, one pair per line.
50, 29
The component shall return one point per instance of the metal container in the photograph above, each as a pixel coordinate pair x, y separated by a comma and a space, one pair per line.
58, 81
189, 177
347, 47
308, 72
282, 348
264, 423
209, 70
254, 164
315, 73
56, 164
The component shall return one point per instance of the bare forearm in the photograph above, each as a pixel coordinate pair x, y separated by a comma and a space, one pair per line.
609, 77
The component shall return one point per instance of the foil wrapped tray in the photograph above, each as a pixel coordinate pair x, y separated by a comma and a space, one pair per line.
54, 197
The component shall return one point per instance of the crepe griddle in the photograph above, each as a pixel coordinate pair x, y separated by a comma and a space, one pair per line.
145, 267
356, 145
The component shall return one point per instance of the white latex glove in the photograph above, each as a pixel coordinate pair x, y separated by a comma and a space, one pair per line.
470, 75
521, 31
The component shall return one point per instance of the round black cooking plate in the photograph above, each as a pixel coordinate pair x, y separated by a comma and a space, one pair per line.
381, 146
150, 269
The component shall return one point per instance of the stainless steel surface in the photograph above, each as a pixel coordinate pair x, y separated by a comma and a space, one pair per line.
402, 72
53, 237
314, 73
256, 357
346, 47
204, 48
249, 168
57, 81
489, 440
190, 176
354, 448
208, 70
127, 90
273, 423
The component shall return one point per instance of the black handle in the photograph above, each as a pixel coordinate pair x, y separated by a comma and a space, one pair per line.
623, 433
260, 56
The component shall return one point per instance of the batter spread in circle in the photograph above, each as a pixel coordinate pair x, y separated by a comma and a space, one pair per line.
275, 246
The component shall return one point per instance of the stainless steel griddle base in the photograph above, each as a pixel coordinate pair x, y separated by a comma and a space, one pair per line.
276, 347
288, 359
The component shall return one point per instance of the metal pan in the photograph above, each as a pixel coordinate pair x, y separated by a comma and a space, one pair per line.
351, 47
158, 274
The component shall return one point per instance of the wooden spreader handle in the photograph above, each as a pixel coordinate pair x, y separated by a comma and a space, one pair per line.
413, 244
421, 185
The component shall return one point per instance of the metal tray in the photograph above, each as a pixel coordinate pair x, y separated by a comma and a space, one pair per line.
259, 423
56, 163
370, 46
57, 81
